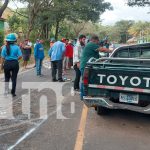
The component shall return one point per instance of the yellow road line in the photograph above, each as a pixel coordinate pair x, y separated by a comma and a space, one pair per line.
81, 129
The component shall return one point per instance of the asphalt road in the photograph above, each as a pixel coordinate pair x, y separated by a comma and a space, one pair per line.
81, 128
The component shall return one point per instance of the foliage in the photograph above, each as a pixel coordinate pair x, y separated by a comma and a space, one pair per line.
18, 23
48, 13
122, 28
1, 37
140, 28
138, 2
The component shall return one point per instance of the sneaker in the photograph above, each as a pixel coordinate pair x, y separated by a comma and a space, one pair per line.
77, 90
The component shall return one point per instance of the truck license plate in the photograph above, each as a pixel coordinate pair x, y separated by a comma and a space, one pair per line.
129, 98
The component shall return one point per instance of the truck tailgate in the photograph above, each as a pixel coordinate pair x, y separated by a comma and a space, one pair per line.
102, 80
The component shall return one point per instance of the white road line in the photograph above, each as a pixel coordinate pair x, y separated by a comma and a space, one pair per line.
22, 138
31, 131
27, 134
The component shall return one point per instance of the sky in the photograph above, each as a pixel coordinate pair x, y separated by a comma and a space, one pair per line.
121, 12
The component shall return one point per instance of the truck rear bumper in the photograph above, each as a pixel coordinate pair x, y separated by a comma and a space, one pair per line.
105, 102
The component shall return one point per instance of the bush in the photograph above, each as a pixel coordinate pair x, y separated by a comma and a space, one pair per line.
1, 38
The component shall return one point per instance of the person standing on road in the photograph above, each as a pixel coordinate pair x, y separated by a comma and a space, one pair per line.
10, 54
37, 41
70, 55
26, 50
92, 49
76, 60
66, 57
39, 56
56, 54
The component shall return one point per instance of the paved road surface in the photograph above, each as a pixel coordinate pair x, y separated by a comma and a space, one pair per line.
84, 129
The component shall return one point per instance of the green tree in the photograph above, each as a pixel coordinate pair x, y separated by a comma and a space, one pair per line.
82, 11
18, 23
1, 38
138, 2
55, 11
122, 28
138, 27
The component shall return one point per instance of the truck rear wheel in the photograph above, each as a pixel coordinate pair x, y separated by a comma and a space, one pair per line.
102, 110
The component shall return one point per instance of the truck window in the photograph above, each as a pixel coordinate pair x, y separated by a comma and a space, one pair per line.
123, 53
134, 52
145, 52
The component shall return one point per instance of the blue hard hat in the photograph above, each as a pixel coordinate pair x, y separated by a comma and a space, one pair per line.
11, 37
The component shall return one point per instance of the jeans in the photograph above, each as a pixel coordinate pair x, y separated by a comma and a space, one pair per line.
11, 69
78, 76
56, 65
38, 66
66, 63
82, 85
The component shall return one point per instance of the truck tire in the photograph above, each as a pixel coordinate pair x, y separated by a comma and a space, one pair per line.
102, 110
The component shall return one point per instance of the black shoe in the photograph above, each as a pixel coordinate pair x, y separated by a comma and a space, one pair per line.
14, 95
61, 80
41, 75
54, 80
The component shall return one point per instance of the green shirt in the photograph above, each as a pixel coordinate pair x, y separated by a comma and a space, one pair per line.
88, 52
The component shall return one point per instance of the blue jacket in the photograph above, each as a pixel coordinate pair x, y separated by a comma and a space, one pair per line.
56, 51
39, 51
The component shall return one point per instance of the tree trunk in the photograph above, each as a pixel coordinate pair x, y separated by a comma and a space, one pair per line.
33, 8
57, 30
45, 26
4, 6
28, 33
45, 31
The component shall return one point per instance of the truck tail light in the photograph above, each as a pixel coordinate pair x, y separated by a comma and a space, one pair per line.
86, 77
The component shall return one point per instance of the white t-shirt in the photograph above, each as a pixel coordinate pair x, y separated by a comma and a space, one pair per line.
29, 44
